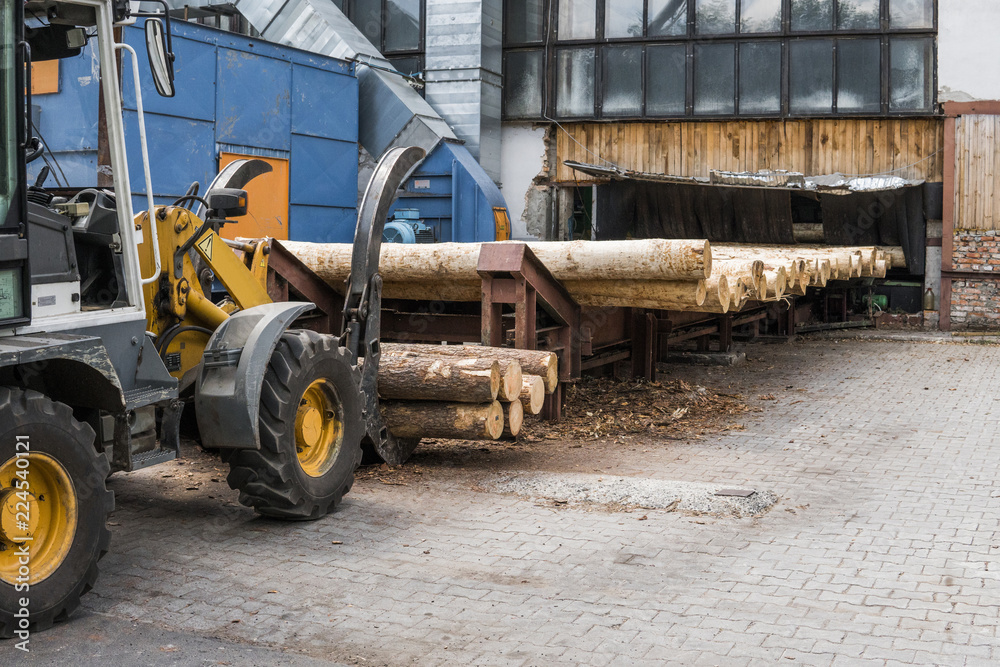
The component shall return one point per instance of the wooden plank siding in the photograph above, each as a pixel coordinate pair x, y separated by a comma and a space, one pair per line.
977, 165
814, 146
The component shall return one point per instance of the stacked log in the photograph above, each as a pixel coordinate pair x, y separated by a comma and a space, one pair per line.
821, 273
673, 295
660, 274
893, 255
738, 292
515, 420
746, 272
532, 362
848, 261
718, 298
775, 283
453, 421
462, 392
651, 273
815, 265
429, 378
532, 396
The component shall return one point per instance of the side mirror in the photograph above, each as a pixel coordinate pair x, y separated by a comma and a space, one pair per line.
161, 60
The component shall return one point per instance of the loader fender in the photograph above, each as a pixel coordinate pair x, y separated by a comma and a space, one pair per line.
227, 391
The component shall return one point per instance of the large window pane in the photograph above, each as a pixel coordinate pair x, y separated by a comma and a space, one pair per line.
523, 84
623, 18
760, 15
812, 15
811, 76
577, 19
666, 79
575, 92
911, 62
524, 21
859, 84
715, 17
858, 15
368, 18
911, 14
667, 17
714, 78
402, 28
622, 81
760, 78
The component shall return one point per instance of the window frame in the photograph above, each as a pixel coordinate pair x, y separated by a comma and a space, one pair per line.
550, 44
350, 10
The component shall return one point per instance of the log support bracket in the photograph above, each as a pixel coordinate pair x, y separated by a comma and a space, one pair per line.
513, 276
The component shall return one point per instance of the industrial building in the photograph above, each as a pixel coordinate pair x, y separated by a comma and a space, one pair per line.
664, 99
532, 249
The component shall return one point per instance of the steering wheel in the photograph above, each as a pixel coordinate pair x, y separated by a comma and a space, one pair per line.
35, 148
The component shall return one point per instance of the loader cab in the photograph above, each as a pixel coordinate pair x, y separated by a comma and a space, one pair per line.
14, 279
68, 257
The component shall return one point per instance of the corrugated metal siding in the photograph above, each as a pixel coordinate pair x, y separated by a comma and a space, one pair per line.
977, 165
813, 147
463, 71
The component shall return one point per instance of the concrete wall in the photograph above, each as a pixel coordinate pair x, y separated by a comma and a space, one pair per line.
968, 50
523, 161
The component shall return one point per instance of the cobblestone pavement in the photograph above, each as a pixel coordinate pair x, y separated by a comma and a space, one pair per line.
882, 549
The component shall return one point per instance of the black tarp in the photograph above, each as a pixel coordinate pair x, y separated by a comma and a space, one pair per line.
635, 209
629, 209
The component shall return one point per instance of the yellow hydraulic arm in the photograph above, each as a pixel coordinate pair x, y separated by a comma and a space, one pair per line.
178, 310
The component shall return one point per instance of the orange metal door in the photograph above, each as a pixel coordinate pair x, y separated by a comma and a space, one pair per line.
267, 201
45, 77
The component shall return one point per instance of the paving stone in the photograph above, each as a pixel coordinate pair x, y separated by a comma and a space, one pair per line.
885, 557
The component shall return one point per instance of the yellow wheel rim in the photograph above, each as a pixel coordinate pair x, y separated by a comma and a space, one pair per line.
38, 509
319, 429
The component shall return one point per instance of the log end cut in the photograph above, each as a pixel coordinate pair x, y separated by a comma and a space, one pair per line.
532, 394
515, 420
511, 381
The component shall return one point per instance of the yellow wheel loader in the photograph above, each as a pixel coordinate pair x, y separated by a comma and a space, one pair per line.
108, 326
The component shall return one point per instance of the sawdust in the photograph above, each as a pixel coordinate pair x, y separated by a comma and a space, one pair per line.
601, 407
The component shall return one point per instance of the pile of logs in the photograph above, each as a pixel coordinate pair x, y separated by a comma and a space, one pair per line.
793, 269
649, 273
652, 273
462, 392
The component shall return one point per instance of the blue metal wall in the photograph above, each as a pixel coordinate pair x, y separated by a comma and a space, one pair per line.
454, 195
234, 94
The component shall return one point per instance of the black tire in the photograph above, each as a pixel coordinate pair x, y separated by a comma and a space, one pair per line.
272, 479
53, 431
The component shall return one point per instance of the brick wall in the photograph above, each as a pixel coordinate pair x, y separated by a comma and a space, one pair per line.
976, 303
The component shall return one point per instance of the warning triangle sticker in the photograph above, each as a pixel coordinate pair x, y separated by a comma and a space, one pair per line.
205, 245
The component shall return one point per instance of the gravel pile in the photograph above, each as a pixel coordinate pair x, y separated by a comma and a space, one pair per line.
634, 493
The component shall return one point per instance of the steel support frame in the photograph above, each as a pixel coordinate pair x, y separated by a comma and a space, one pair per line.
513, 276
284, 271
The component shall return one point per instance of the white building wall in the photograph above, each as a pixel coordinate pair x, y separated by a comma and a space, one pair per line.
522, 158
968, 50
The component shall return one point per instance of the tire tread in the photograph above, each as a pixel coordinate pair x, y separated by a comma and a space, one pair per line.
266, 477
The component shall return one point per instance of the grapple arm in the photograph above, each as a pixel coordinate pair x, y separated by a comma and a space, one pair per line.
363, 301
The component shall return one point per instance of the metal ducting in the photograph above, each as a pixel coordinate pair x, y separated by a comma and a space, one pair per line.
391, 112
464, 61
